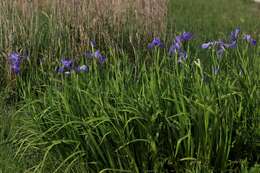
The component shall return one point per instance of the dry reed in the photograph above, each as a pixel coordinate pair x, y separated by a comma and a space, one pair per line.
145, 14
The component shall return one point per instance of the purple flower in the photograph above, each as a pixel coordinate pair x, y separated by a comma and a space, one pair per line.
210, 44
175, 48
67, 63
249, 39
234, 34
233, 38
186, 36
15, 68
97, 54
253, 42
178, 39
15, 61
67, 66
220, 46
156, 42
207, 45
102, 59
14, 58
232, 45
60, 69
150, 46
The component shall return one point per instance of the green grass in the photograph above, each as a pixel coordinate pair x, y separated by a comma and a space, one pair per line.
210, 19
141, 111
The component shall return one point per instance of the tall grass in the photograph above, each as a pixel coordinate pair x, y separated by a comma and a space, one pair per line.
154, 115
102, 16
140, 111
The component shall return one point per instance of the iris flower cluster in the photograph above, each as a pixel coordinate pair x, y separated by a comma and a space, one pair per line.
95, 54
99, 56
155, 43
15, 60
68, 64
220, 46
68, 67
177, 46
249, 39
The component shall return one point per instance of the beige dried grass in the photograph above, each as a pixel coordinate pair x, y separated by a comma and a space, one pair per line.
146, 14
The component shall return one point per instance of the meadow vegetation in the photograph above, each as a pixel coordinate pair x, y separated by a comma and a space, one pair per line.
129, 86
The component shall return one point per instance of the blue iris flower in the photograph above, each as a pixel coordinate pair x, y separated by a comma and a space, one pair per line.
176, 47
102, 59
207, 45
14, 58
60, 70
155, 43
67, 63
186, 36
97, 54
233, 38
220, 46
232, 44
249, 39
15, 61
16, 68
234, 34
67, 66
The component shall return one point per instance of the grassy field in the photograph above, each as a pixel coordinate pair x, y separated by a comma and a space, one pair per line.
182, 95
